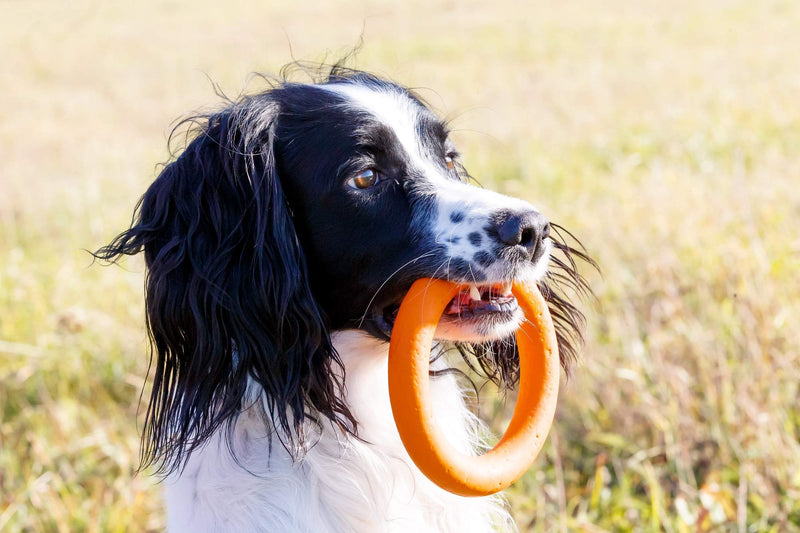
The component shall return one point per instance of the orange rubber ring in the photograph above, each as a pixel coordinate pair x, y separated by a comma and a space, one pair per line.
409, 392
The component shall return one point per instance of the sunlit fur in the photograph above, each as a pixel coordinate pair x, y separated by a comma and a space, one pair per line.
269, 295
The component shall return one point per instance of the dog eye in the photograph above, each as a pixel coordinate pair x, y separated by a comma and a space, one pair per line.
365, 180
449, 162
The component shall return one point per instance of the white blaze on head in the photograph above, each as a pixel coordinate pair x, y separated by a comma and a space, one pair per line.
399, 113
402, 115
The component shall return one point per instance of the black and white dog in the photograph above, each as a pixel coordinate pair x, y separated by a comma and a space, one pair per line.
279, 245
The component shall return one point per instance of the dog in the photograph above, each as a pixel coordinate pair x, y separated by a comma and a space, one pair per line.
278, 247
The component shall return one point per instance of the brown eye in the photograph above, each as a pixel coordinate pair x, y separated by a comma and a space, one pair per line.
449, 162
364, 180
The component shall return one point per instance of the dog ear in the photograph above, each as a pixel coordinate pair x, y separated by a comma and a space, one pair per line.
227, 294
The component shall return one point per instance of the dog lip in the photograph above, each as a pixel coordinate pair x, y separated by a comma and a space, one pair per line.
473, 303
482, 299
475, 308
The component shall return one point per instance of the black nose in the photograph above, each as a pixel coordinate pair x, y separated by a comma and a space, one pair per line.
527, 229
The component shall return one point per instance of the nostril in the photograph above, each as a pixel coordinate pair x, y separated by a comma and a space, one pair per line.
527, 229
527, 237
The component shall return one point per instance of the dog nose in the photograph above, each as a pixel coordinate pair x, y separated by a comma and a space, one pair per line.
527, 229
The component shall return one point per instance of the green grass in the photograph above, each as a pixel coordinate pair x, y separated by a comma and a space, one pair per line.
665, 136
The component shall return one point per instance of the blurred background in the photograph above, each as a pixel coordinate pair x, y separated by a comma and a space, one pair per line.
664, 134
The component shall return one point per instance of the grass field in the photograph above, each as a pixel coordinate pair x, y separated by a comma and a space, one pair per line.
665, 134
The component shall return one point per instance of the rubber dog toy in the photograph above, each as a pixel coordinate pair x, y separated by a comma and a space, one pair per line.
409, 392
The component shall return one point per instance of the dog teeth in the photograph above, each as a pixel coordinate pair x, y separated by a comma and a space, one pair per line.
505, 290
474, 293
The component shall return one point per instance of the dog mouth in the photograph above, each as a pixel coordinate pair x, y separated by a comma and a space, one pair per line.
482, 300
479, 312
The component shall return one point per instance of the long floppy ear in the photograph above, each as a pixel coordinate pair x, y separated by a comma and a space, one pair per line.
227, 294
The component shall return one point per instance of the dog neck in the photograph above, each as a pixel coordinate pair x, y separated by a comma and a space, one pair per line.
341, 483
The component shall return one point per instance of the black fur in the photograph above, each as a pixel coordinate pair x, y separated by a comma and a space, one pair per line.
256, 253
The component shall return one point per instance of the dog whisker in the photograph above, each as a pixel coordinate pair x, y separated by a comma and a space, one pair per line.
388, 278
285, 223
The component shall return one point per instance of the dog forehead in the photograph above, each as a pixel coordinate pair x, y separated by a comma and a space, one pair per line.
397, 110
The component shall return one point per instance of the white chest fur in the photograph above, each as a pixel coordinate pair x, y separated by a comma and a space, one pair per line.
342, 484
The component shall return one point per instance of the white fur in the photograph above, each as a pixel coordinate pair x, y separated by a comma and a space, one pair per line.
397, 111
342, 484
345, 484
477, 205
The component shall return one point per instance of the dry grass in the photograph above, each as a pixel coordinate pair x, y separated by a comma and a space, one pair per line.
665, 136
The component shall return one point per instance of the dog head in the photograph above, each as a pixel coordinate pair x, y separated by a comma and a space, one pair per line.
311, 208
